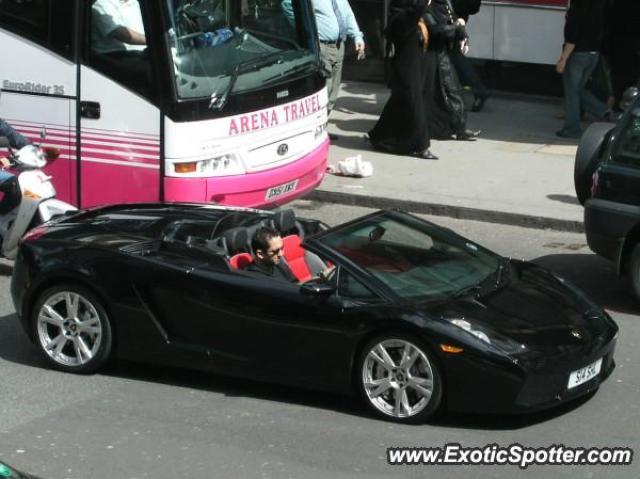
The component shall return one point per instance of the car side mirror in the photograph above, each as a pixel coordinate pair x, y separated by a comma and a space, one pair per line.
317, 289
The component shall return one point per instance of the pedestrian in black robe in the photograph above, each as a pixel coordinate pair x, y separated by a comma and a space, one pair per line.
403, 125
445, 103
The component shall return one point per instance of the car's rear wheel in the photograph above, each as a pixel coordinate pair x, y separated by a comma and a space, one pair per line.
399, 379
72, 329
587, 157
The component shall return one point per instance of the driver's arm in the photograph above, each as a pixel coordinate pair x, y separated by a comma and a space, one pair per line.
111, 20
325, 273
129, 36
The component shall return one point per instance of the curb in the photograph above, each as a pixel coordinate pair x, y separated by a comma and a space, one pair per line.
459, 212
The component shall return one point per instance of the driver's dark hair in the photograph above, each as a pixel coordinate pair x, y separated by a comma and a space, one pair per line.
261, 238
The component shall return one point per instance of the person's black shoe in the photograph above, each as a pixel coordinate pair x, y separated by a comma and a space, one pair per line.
468, 135
478, 102
333, 137
425, 155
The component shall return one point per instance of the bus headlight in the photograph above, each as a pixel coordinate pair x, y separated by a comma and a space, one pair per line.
223, 165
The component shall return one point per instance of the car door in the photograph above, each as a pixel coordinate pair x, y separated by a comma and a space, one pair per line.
250, 324
253, 325
292, 335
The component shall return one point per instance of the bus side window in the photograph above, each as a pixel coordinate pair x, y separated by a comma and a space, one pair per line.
46, 22
118, 45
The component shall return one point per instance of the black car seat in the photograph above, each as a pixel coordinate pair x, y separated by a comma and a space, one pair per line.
234, 240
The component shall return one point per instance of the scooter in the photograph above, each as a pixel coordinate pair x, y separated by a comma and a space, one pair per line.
35, 196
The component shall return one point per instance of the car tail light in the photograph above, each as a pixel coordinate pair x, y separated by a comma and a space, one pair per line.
595, 179
34, 233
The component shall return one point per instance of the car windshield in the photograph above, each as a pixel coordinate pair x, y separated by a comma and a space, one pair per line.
413, 258
223, 47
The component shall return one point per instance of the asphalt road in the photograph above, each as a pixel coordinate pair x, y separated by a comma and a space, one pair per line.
138, 421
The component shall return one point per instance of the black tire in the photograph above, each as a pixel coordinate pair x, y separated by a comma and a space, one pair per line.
588, 157
633, 270
76, 343
384, 389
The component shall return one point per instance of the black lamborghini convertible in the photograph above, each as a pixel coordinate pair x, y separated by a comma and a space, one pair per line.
413, 316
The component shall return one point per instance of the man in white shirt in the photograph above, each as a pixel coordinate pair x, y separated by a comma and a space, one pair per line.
117, 26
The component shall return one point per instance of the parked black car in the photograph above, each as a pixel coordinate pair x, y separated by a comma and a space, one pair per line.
8, 472
412, 316
607, 181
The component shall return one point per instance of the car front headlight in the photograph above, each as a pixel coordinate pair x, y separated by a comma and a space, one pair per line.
466, 325
222, 165
497, 341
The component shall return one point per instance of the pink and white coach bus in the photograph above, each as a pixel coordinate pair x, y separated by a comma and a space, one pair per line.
208, 101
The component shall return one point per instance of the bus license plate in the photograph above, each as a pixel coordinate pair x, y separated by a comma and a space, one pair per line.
581, 376
281, 189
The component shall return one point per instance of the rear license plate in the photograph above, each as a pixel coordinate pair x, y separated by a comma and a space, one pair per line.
581, 376
281, 189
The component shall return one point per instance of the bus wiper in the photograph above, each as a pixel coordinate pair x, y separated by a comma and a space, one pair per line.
292, 71
218, 102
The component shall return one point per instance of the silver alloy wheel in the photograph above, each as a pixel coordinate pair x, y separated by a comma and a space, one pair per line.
398, 378
69, 329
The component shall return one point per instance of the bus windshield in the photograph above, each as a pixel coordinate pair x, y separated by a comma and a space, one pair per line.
222, 47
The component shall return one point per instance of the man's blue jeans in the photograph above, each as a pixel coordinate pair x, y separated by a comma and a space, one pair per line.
16, 140
577, 98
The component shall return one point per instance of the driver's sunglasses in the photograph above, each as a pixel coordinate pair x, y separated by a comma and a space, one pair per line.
276, 252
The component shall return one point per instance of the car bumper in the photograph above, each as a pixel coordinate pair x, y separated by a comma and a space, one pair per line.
520, 386
607, 224
250, 190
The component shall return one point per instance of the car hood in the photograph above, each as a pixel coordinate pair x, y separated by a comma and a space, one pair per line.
534, 308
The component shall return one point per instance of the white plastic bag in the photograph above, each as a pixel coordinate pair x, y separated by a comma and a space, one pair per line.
352, 166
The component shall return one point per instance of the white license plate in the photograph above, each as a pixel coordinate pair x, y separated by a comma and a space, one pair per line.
581, 376
281, 189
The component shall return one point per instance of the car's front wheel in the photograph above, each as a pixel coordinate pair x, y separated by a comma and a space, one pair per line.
72, 329
399, 379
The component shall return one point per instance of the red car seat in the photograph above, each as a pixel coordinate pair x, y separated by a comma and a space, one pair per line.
240, 260
294, 253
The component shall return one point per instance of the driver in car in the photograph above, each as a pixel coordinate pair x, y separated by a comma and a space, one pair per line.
268, 248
